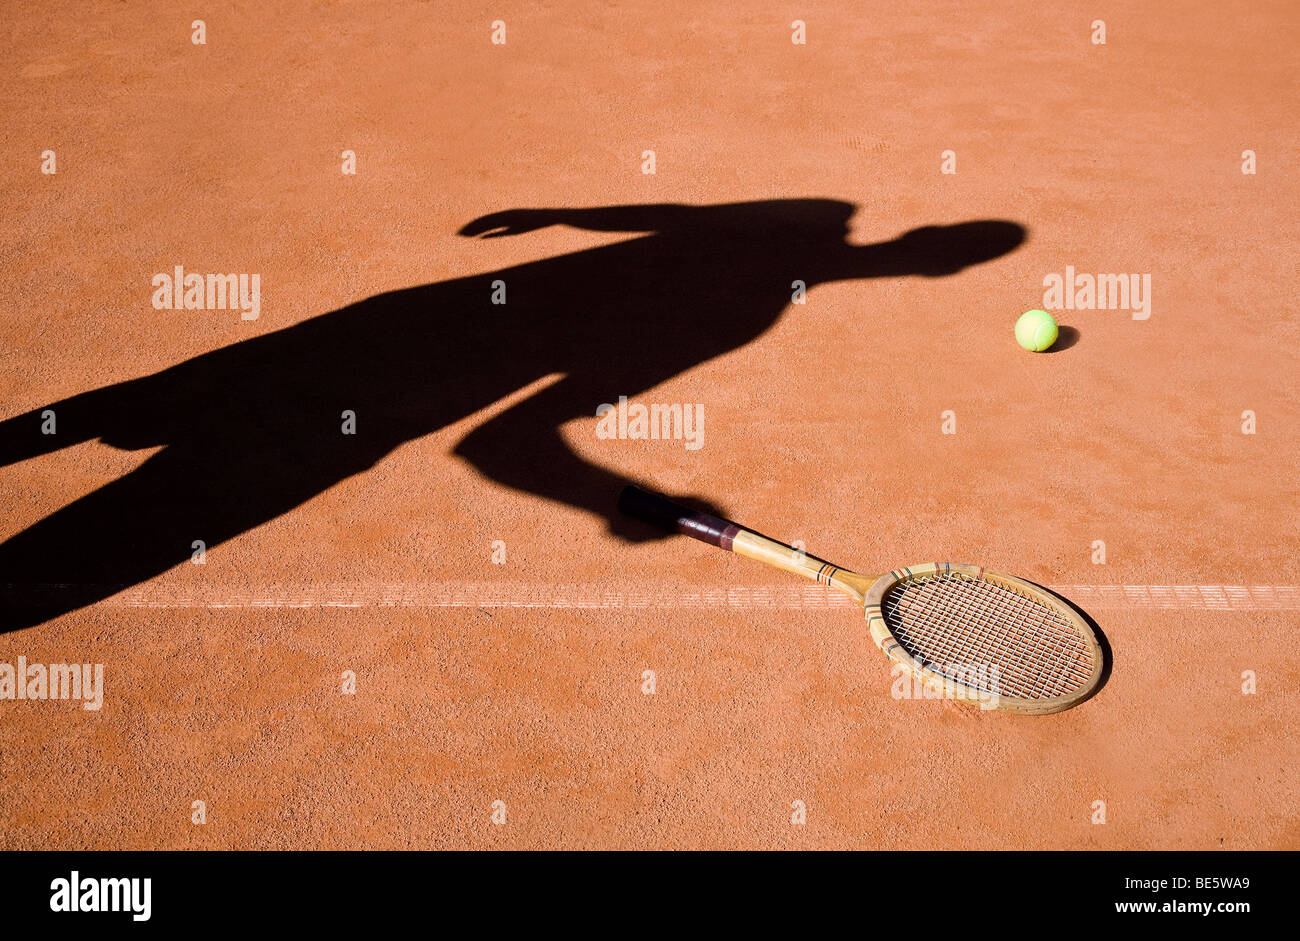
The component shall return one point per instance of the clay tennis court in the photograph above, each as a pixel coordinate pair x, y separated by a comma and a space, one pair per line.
519, 650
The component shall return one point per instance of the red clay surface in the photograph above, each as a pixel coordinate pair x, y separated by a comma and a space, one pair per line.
223, 681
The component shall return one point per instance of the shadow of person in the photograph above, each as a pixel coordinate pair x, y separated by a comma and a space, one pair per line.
252, 430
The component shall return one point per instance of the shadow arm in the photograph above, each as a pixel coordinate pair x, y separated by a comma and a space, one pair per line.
653, 217
523, 448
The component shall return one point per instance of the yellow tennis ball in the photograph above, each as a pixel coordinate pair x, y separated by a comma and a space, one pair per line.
1036, 330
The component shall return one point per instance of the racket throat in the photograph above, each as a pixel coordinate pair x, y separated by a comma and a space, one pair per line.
797, 562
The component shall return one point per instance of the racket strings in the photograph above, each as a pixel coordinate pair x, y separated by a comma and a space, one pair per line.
987, 637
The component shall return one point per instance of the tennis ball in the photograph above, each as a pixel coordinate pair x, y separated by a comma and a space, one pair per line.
1036, 330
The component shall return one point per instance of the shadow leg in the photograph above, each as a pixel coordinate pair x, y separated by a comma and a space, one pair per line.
147, 521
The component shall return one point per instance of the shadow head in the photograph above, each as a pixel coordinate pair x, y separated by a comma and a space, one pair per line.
946, 249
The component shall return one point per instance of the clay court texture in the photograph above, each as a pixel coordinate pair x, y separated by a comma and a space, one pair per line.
530, 670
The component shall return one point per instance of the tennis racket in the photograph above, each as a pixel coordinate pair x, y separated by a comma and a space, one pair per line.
993, 639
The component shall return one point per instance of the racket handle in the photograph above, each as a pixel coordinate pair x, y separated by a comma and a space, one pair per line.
658, 510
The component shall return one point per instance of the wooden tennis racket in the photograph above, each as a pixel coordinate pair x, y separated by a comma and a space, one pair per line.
993, 639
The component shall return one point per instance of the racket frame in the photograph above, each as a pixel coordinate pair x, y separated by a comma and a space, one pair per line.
894, 649
870, 591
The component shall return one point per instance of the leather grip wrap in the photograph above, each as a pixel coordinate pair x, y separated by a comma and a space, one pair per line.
659, 510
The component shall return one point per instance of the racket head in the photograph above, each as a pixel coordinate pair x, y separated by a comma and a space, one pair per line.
993, 639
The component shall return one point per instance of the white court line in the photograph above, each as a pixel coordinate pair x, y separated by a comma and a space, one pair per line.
744, 597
